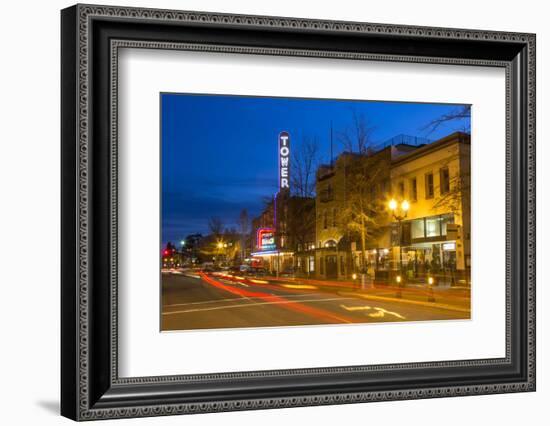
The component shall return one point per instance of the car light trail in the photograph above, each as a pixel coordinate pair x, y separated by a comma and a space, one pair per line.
297, 307
258, 281
300, 286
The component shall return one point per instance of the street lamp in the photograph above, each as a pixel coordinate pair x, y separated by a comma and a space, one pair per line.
399, 212
221, 249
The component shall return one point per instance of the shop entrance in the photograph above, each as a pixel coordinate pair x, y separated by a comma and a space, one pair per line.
331, 266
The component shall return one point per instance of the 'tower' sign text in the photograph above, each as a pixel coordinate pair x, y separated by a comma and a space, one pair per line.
284, 160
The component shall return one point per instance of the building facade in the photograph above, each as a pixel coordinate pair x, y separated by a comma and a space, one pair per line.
435, 235
285, 234
352, 188
348, 228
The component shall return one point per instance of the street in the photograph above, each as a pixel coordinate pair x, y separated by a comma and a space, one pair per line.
196, 300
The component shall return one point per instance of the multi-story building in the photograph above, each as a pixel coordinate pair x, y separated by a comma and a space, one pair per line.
348, 228
350, 191
434, 237
285, 235
435, 180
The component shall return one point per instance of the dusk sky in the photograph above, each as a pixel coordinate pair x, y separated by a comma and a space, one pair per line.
219, 153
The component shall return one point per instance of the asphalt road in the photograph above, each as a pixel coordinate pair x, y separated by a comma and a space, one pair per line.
190, 301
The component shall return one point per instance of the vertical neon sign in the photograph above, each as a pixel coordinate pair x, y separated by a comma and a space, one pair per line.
284, 161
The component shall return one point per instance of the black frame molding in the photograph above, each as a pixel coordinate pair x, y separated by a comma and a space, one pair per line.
90, 38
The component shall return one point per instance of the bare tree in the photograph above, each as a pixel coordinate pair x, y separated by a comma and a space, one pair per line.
363, 213
215, 224
459, 184
458, 190
303, 167
358, 137
461, 113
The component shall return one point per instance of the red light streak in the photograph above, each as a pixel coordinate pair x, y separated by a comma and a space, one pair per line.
288, 304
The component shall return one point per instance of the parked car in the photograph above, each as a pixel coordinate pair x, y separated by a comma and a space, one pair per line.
245, 268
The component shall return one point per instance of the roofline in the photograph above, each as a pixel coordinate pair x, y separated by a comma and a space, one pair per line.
456, 137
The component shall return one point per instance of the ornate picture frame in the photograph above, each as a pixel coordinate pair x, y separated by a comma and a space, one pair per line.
91, 37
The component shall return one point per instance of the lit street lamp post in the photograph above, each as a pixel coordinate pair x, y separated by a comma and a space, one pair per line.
399, 213
222, 246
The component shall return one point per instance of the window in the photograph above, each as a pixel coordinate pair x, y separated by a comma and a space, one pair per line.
311, 263
445, 219
444, 181
334, 217
429, 185
413, 191
429, 227
433, 228
417, 228
401, 189
325, 220
321, 265
327, 194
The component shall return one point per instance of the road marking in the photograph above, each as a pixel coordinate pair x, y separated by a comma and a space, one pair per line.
230, 282
382, 312
355, 308
246, 305
243, 299
410, 302
295, 306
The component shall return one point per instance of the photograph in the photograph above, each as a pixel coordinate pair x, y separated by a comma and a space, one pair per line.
272, 208
279, 211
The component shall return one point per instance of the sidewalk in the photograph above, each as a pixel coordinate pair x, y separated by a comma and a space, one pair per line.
444, 297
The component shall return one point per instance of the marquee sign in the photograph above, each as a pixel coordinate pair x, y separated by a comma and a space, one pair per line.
284, 161
266, 239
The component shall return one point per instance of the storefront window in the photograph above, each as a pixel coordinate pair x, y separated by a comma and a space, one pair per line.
311, 263
417, 228
432, 227
445, 219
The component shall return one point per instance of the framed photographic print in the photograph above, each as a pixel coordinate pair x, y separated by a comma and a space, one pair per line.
263, 212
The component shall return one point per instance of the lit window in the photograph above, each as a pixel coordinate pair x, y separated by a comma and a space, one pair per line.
417, 228
413, 191
444, 181
433, 227
429, 185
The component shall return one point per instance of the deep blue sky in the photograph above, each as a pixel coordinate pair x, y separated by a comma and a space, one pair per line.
219, 153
